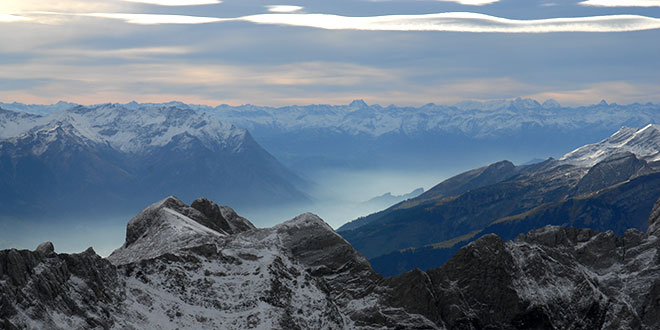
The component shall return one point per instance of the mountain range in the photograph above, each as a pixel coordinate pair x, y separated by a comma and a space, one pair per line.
610, 185
313, 137
205, 267
110, 157
454, 137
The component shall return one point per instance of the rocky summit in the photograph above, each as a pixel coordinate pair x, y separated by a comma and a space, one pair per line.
204, 267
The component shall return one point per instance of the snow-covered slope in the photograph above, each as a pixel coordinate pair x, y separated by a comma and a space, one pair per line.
138, 130
16, 123
132, 156
644, 143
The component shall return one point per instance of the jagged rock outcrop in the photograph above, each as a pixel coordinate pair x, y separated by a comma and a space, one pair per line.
44, 290
654, 221
204, 267
550, 278
163, 227
221, 218
302, 275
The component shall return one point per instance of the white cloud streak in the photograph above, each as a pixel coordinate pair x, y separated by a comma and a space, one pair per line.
472, 2
621, 3
460, 22
177, 2
6, 18
151, 19
447, 22
21, 7
283, 9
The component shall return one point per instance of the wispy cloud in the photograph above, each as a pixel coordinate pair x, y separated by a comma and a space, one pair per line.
21, 7
472, 2
460, 22
150, 19
283, 9
6, 18
621, 92
138, 53
177, 2
621, 3
295, 83
448, 22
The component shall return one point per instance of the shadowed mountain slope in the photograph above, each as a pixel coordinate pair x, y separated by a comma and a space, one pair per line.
615, 193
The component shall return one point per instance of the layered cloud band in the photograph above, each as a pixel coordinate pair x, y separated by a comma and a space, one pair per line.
448, 22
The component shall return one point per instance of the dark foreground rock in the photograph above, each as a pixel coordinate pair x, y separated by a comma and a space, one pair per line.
550, 278
204, 267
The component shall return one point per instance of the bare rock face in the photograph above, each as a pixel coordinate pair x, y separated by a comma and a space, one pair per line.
616, 168
202, 267
46, 248
351, 283
654, 220
165, 226
215, 217
48, 291
176, 272
549, 278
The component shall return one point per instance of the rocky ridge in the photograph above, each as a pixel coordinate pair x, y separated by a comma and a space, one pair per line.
302, 275
175, 271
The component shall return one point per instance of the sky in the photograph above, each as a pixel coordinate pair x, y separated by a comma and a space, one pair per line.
404, 52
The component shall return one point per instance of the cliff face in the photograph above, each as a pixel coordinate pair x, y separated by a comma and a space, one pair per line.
302, 275
550, 278
175, 271
44, 290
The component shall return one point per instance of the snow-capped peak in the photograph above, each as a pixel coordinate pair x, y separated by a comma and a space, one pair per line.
644, 143
134, 130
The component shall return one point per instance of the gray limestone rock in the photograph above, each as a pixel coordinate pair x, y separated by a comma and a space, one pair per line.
179, 273
46, 248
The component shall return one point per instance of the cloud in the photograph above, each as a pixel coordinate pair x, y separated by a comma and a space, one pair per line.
472, 2
177, 2
621, 3
283, 9
137, 53
150, 19
6, 18
49, 79
63, 6
448, 22
621, 92
460, 22
195, 83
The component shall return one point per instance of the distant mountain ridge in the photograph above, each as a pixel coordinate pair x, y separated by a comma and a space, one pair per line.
473, 118
117, 157
359, 135
596, 186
